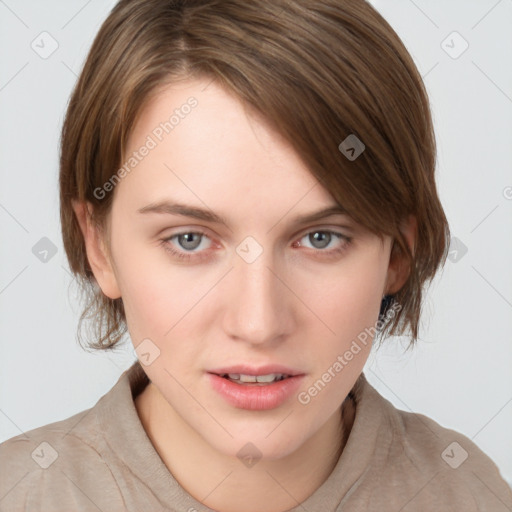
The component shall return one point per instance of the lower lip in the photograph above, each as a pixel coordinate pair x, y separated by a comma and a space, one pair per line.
256, 397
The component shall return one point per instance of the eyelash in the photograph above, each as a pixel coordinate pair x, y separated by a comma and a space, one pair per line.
166, 242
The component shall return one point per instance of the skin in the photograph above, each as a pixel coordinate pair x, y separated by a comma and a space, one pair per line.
294, 305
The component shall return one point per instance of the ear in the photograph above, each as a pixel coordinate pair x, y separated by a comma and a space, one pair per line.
399, 269
97, 253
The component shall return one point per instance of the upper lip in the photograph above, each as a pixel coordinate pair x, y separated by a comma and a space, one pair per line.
245, 369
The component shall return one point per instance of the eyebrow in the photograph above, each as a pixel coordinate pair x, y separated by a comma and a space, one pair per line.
172, 208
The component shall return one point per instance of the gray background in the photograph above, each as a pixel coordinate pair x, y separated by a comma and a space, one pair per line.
460, 372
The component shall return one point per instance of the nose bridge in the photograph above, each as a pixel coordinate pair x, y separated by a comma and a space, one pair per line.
257, 306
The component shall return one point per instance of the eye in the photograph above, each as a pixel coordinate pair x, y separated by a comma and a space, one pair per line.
187, 243
325, 241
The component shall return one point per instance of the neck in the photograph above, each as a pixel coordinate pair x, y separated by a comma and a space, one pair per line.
222, 482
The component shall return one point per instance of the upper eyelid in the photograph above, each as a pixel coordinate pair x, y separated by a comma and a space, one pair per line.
301, 233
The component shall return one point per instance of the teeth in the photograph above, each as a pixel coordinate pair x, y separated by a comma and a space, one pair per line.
271, 377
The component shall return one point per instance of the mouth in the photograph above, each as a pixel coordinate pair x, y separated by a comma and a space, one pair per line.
246, 374
258, 380
252, 388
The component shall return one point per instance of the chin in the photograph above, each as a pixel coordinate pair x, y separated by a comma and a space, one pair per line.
260, 442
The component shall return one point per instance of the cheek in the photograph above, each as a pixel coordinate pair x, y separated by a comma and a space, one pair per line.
349, 299
159, 295
152, 290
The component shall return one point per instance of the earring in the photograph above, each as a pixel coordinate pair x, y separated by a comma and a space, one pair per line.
384, 305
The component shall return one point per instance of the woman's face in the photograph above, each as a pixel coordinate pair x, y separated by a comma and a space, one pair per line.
261, 293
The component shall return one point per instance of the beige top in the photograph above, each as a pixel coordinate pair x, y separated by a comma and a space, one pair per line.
101, 459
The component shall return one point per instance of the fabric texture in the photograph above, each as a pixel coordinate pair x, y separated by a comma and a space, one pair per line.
102, 459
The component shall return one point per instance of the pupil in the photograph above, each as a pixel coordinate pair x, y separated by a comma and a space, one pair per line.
321, 236
188, 242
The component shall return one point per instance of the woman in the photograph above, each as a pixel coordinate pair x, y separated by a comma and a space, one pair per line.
247, 189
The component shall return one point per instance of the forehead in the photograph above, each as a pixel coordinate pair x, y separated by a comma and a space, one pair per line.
216, 152
200, 117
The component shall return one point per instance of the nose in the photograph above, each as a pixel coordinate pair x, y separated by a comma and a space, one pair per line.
258, 309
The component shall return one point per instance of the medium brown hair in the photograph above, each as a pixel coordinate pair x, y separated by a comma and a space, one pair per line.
316, 70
